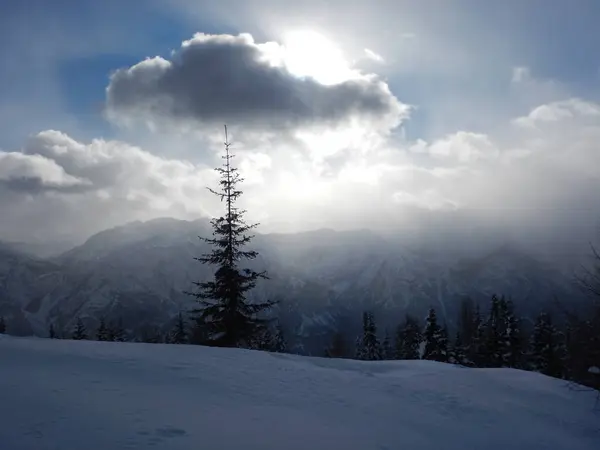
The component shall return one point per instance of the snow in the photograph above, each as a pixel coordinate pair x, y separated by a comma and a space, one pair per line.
70, 395
595, 370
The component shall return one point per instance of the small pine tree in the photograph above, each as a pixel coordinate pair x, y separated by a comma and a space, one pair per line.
358, 348
457, 352
79, 333
432, 336
408, 339
2, 325
545, 353
116, 332
477, 354
102, 334
179, 334
52, 332
386, 347
228, 318
279, 344
493, 331
338, 348
370, 348
444, 344
512, 341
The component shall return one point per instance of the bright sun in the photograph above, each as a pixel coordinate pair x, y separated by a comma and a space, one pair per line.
310, 54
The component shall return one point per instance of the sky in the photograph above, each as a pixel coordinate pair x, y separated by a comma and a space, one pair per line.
447, 114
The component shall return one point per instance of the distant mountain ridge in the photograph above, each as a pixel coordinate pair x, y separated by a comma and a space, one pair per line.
324, 279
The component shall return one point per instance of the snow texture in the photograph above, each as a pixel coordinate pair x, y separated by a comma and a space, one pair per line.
73, 395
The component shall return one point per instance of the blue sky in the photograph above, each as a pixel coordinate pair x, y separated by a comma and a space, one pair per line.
61, 53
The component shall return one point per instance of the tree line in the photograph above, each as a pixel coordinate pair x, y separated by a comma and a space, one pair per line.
496, 338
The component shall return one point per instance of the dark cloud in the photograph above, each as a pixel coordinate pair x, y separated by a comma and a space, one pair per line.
37, 185
224, 78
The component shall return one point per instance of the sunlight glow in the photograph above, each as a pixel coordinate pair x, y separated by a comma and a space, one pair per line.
310, 54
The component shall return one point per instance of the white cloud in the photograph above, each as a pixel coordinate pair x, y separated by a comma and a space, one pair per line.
374, 56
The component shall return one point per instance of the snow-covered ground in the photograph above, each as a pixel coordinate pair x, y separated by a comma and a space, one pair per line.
69, 395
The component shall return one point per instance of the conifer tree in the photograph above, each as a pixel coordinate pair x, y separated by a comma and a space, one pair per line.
457, 352
369, 348
116, 332
227, 317
52, 332
79, 333
358, 348
102, 334
546, 349
386, 347
408, 339
278, 345
477, 354
178, 334
2, 325
492, 334
444, 344
512, 339
433, 338
338, 348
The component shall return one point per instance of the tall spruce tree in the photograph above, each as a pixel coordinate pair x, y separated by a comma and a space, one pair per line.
79, 333
228, 319
2, 325
408, 339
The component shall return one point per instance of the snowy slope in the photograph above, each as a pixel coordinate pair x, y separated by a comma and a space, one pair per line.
72, 395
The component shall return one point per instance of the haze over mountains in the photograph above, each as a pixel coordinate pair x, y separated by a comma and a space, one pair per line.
324, 279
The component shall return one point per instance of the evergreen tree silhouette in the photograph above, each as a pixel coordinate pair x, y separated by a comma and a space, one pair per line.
102, 334
179, 334
79, 333
434, 339
369, 348
225, 315
408, 339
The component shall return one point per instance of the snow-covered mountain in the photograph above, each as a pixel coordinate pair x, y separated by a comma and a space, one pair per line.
106, 395
324, 279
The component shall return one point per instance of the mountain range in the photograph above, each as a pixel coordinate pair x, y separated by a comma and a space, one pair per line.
323, 279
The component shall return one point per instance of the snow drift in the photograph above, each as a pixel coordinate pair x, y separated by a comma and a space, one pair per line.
70, 395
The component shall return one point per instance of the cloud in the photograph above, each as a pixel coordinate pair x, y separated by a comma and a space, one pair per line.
91, 186
463, 146
35, 174
214, 79
374, 56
